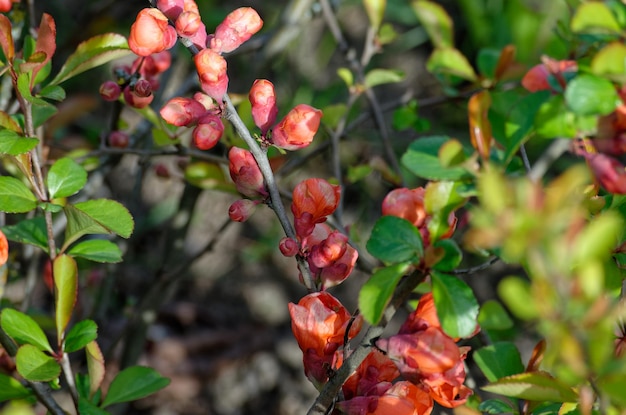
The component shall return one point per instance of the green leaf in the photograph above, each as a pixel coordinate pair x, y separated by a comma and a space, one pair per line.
613, 386
65, 178
87, 408
395, 239
493, 316
456, 305
535, 386
436, 22
35, 365
496, 406
450, 61
515, 292
598, 239
14, 144
134, 383
499, 360
610, 62
452, 255
28, 231
101, 216
440, 199
375, 11
15, 197
207, 175
11, 388
422, 159
589, 94
95, 366
53, 92
594, 17
377, 291
97, 250
80, 335
23, 329
346, 75
92, 53
66, 288
377, 77
42, 112
554, 119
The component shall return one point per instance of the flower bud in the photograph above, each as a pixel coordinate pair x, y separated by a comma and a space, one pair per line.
330, 250
162, 171
143, 88
263, 100
110, 91
207, 102
211, 69
288, 246
181, 111
4, 249
188, 23
136, 101
151, 33
7, 5
171, 8
190, 6
118, 139
241, 210
236, 28
298, 128
208, 132
245, 172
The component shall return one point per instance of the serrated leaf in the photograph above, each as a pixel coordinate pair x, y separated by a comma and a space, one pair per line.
34, 365
53, 92
92, 53
97, 250
11, 388
134, 383
496, 406
13, 144
499, 360
23, 329
395, 239
382, 76
591, 95
422, 159
594, 17
377, 291
450, 61
535, 386
65, 178
436, 22
95, 366
15, 197
65, 274
80, 335
28, 231
457, 308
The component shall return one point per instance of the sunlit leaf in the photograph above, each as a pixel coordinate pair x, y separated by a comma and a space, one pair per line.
23, 329
436, 22
499, 360
377, 291
610, 62
515, 292
80, 335
536, 386
110, 214
65, 178
422, 159
15, 197
13, 144
6, 38
450, 61
591, 95
11, 388
97, 250
456, 305
382, 76
395, 239
36, 366
375, 11
594, 17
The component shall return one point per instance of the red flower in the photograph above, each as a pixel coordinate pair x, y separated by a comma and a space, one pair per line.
245, 173
263, 100
608, 171
211, 67
424, 316
4, 249
236, 28
447, 388
374, 369
319, 322
208, 132
313, 200
188, 23
180, 111
288, 247
406, 204
298, 128
151, 33
403, 398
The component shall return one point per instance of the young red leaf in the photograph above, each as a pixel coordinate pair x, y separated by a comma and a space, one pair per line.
480, 127
6, 38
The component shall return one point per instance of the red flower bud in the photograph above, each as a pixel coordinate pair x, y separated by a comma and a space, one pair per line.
330, 250
242, 209
208, 132
298, 128
211, 69
110, 91
288, 247
162, 171
188, 23
118, 139
4, 249
263, 100
171, 8
313, 200
406, 204
7, 5
180, 111
245, 172
236, 28
143, 88
136, 101
151, 33
191, 6
609, 172
207, 102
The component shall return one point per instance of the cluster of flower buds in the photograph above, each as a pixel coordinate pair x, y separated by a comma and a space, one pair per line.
295, 131
319, 323
409, 204
330, 256
249, 181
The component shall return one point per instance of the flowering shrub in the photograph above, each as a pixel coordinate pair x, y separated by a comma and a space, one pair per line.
448, 209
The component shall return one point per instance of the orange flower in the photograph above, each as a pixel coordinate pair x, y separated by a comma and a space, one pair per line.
424, 316
406, 204
151, 33
236, 28
403, 398
313, 200
447, 388
298, 128
211, 68
4, 249
374, 369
